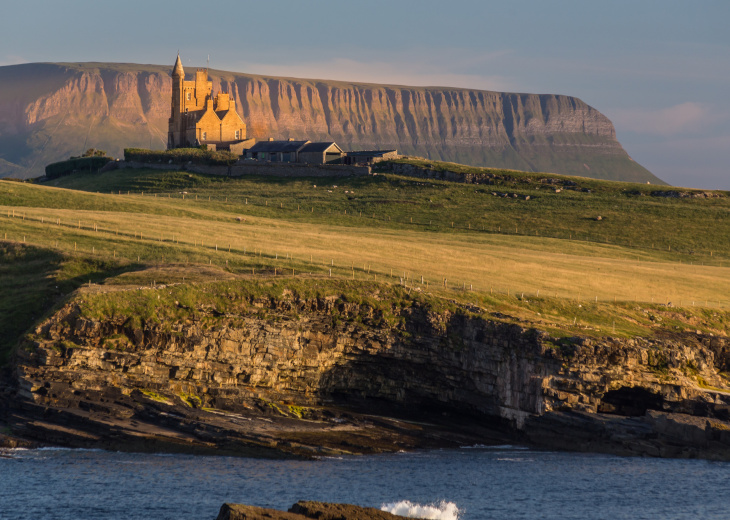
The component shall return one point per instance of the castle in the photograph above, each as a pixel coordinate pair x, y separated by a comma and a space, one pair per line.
199, 118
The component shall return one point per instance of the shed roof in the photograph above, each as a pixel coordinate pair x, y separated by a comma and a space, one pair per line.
277, 146
323, 146
369, 153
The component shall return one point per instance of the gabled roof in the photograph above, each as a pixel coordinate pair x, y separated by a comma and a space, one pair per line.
320, 147
277, 146
222, 114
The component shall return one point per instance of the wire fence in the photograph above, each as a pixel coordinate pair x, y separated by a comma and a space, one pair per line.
691, 255
265, 263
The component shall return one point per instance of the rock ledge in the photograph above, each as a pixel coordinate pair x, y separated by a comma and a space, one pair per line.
303, 510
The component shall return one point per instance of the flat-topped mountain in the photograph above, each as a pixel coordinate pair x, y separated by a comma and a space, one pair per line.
49, 111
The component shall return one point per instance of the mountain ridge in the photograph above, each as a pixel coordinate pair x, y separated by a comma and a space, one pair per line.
49, 111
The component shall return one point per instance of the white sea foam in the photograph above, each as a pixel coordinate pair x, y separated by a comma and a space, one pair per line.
76, 450
442, 511
493, 447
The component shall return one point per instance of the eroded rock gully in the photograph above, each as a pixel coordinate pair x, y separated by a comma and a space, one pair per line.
307, 377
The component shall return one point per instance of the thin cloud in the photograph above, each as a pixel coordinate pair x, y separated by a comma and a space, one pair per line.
412, 74
698, 162
11, 59
685, 118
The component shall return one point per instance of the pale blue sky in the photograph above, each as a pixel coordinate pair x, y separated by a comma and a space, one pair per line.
660, 69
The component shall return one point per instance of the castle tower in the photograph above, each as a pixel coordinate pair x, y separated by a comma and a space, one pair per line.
176, 130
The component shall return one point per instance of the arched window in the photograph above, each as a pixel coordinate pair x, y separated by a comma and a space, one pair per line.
205, 136
187, 96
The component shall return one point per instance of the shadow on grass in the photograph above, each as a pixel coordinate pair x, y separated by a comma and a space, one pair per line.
34, 280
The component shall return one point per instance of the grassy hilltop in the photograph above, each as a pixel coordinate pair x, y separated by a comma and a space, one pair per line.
546, 261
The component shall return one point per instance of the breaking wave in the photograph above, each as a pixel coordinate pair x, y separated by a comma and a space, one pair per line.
442, 511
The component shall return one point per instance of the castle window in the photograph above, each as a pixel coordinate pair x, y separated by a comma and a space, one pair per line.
188, 96
238, 134
205, 136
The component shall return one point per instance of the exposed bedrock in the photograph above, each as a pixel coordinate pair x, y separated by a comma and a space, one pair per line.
662, 397
303, 510
50, 111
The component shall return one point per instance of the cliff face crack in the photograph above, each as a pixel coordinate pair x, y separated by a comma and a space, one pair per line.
509, 120
324, 101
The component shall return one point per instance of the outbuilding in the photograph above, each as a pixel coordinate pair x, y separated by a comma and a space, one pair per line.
321, 153
275, 151
369, 156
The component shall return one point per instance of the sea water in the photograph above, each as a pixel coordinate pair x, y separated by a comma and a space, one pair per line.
470, 483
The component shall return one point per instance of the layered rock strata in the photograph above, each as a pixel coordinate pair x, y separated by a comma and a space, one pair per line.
218, 380
51, 111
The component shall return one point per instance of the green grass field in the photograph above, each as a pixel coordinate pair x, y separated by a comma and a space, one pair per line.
547, 259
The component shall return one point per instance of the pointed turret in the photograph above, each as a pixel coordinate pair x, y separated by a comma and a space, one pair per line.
178, 68
176, 129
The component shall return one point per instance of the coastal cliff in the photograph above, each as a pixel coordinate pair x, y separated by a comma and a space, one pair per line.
206, 376
50, 111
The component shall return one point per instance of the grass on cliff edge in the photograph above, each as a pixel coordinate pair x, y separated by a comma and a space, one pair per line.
383, 305
210, 295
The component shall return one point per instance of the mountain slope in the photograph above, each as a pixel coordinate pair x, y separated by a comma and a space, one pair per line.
50, 111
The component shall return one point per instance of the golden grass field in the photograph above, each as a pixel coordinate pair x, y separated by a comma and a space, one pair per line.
147, 228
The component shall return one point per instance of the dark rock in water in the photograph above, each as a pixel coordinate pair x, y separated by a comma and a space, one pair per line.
243, 512
303, 510
8, 441
326, 511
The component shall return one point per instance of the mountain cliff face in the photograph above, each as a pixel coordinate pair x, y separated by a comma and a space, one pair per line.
51, 111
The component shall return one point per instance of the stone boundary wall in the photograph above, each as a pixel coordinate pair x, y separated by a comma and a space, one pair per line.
241, 169
411, 170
